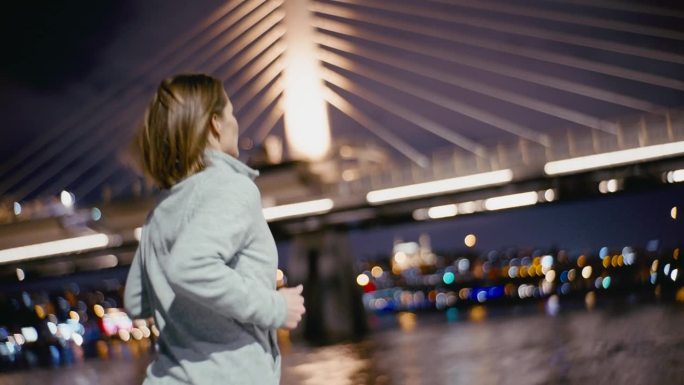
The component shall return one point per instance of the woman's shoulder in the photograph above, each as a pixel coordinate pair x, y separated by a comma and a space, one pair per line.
218, 178
225, 190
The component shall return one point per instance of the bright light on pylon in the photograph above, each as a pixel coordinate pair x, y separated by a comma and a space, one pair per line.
306, 119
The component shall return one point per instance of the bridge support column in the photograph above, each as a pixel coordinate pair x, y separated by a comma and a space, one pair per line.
324, 263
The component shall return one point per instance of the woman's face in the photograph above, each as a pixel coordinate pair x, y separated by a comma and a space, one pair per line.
227, 127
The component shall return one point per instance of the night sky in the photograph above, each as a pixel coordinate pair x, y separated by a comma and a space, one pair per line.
57, 55
50, 44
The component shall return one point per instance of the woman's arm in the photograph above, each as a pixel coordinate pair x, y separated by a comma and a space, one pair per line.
135, 298
219, 226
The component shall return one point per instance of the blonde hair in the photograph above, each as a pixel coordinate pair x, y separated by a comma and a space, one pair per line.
175, 130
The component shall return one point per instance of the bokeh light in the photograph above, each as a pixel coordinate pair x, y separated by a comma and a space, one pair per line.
470, 240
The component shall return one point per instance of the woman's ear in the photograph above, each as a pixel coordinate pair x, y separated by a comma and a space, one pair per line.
214, 137
215, 125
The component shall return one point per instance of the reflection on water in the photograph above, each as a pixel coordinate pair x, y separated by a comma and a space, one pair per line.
615, 344
639, 346
339, 364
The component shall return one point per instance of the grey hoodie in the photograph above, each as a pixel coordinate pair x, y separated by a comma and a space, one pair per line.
205, 270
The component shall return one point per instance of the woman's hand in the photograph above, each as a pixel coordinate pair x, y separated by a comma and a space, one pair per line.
295, 305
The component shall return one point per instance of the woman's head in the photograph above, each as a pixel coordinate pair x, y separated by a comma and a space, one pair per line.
187, 114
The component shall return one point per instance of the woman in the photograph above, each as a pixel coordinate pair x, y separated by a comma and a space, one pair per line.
206, 265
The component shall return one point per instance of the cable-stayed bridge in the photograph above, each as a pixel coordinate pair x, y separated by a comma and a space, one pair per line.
476, 98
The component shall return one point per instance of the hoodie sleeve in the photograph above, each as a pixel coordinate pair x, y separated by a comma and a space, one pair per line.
135, 298
218, 227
